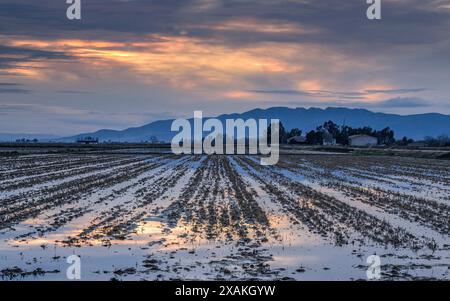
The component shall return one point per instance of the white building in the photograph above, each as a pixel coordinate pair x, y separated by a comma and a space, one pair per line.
362, 140
297, 140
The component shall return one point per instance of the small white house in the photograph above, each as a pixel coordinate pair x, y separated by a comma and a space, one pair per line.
297, 140
362, 140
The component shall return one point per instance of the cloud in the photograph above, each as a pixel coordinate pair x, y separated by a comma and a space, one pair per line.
74, 92
396, 91
11, 57
218, 56
14, 91
11, 108
403, 102
338, 94
281, 92
13, 88
412, 21
23, 61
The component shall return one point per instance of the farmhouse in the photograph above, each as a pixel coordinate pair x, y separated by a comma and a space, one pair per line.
362, 140
297, 140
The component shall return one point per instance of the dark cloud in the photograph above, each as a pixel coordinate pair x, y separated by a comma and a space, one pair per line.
14, 91
74, 92
31, 53
403, 102
9, 85
396, 91
406, 21
13, 88
12, 108
11, 57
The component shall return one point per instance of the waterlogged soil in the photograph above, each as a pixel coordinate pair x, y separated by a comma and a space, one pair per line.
167, 217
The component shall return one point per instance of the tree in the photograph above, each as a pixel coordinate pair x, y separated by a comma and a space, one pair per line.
332, 128
444, 140
440, 141
314, 137
405, 141
294, 132
283, 134
385, 136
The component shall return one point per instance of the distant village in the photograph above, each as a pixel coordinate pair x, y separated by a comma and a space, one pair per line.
327, 134
331, 134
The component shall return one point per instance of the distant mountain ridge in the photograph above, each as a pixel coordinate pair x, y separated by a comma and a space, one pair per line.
415, 126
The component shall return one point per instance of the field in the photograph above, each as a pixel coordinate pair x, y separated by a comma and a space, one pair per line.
144, 216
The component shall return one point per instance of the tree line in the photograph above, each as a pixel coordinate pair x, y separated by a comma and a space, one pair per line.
341, 134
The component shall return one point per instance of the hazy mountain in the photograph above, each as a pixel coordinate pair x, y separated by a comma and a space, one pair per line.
413, 126
14, 137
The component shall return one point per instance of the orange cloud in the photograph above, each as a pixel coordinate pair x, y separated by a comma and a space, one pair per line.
176, 59
310, 85
238, 94
187, 63
374, 97
255, 25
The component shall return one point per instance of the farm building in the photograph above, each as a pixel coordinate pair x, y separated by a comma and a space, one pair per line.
362, 140
297, 140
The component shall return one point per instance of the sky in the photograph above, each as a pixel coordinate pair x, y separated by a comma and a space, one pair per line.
130, 62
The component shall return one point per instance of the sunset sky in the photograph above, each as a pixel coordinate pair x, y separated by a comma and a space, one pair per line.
130, 62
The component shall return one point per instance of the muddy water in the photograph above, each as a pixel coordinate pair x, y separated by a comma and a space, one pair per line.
166, 217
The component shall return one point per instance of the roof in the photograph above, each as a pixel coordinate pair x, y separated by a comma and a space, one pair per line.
361, 136
297, 139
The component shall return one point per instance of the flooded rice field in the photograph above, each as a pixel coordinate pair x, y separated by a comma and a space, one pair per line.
167, 217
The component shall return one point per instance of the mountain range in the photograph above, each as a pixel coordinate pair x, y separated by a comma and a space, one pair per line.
413, 126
